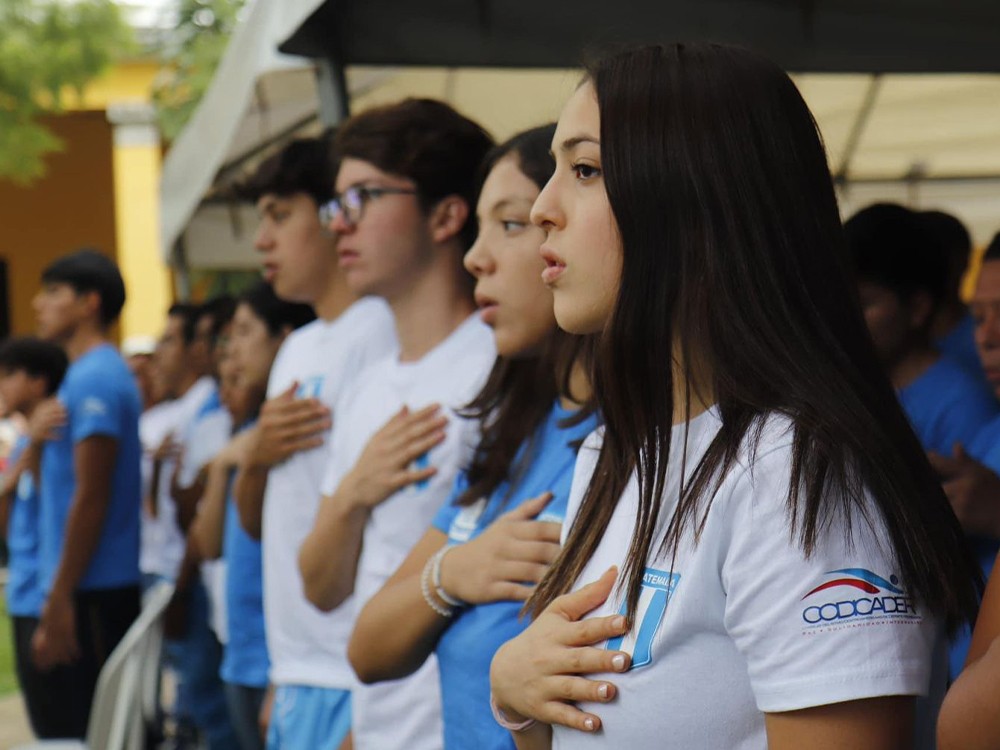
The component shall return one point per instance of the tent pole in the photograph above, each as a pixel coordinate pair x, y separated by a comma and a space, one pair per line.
858, 129
331, 86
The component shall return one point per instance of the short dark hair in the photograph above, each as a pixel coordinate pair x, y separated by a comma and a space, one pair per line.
424, 140
531, 148
274, 311
220, 309
303, 166
954, 244
993, 249
88, 270
38, 358
892, 248
188, 315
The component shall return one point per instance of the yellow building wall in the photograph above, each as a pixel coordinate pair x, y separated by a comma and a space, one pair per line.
72, 206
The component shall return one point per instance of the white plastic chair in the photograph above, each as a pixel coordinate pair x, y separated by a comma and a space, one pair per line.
126, 698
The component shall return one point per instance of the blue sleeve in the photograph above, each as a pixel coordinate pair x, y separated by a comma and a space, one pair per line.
94, 406
447, 512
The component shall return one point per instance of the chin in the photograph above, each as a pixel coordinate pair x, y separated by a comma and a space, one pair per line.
578, 322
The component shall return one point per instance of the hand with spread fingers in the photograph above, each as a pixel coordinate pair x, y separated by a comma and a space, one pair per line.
540, 674
973, 490
385, 465
506, 560
287, 425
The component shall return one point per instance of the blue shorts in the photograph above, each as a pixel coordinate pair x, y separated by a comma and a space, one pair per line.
304, 717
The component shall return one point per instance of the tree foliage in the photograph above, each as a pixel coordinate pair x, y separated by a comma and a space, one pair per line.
191, 55
46, 50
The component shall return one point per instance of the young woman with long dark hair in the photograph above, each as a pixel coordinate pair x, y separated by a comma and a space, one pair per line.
783, 553
460, 592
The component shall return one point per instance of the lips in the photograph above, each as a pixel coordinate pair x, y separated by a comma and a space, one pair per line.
347, 257
487, 309
554, 265
269, 271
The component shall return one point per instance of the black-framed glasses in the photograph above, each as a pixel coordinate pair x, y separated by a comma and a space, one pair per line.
351, 203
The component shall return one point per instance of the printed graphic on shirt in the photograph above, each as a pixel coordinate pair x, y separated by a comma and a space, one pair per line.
835, 603
466, 520
310, 388
422, 462
25, 486
657, 588
94, 406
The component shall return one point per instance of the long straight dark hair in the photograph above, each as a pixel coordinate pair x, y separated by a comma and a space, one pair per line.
734, 260
520, 391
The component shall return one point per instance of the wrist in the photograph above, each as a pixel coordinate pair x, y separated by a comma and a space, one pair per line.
509, 719
443, 592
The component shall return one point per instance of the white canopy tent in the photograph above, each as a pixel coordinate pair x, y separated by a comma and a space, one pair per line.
927, 140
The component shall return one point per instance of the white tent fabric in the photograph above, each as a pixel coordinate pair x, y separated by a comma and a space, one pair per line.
256, 94
929, 141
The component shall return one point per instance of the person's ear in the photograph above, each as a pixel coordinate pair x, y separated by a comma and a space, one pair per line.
920, 308
448, 218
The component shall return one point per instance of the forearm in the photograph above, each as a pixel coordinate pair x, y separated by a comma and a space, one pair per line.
397, 629
248, 492
84, 524
208, 526
186, 499
328, 558
153, 506
970, 715
538, 737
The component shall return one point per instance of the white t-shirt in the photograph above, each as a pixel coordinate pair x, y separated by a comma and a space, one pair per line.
752, 626
164, 542
306, 646
407, 713
154, 425
208, 435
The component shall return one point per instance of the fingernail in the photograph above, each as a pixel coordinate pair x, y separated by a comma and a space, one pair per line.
618, 623
588, 723
618, 662
602, 692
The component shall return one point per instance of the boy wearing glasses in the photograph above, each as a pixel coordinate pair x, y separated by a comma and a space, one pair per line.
404, 215
277, 488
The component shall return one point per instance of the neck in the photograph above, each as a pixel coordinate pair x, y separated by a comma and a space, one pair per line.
580, 390
187, 382
949, 316
82, 340
336, 298
431, 307
693, 393
912, 366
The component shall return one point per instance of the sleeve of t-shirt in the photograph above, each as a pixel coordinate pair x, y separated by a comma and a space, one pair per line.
969, 413
447, 512
833, 627
94, 407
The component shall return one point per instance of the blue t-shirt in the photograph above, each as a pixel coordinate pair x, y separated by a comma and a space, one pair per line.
948, 405
101, 398
466, 648
24, 594
244, 661
985, 448
960, 345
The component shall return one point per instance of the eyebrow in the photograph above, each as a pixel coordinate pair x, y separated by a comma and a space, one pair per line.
506, 202
570, 143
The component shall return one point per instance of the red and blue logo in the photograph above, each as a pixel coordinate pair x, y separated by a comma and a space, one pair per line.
858, 594
859, 578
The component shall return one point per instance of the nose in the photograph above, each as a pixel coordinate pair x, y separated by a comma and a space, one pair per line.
545, 212
264, 239
478, 260
339, 224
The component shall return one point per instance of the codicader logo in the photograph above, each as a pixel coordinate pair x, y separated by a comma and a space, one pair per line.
886, 599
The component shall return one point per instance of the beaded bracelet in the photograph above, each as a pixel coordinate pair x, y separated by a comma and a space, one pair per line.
436, 578
425, 589
502, 720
